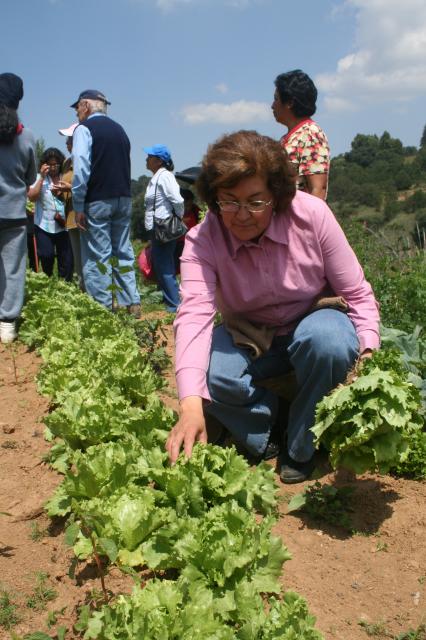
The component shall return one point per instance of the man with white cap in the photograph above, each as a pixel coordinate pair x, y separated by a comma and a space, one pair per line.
102, 201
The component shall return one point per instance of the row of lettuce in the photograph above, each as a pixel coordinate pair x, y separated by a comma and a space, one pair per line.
196, 537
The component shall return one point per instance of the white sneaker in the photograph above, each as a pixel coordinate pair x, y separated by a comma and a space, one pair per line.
8, 332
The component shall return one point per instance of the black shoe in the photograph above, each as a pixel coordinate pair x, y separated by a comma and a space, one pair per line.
292, 472
272, 451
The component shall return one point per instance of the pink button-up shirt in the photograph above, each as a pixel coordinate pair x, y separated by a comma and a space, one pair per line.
302, 254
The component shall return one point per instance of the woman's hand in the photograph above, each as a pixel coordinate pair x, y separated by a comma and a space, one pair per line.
190, 428
61, 186
44, 170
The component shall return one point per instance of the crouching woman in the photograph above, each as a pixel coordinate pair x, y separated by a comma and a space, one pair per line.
268, 259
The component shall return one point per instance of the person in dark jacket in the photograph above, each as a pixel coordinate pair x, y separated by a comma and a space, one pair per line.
102, 202
17, 173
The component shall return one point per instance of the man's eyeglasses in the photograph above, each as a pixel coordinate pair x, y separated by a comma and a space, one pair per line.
229, 206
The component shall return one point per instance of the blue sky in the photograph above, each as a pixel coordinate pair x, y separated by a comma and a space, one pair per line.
182, 72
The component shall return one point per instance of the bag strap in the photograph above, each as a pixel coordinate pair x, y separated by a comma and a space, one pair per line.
155, 199
155, 192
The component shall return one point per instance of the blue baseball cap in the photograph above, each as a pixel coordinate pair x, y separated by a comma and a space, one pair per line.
159, 150
90, 94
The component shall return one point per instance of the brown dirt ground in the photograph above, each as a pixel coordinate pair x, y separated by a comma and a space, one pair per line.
377, 576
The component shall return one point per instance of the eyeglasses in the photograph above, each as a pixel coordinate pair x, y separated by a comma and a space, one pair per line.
229, 206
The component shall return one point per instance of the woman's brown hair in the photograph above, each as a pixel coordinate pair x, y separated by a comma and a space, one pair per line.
241, 155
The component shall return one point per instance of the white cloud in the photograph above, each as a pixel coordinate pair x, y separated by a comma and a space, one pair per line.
240, 112
389, 60
222, 87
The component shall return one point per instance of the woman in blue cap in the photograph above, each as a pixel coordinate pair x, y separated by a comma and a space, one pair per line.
162, 198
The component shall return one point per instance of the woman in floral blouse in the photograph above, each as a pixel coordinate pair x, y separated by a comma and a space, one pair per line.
305, 142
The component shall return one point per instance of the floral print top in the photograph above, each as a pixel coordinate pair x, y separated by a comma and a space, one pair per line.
308, 150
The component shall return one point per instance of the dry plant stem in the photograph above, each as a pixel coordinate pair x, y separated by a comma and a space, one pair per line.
100, 570
89, 533
381, 236
12, 352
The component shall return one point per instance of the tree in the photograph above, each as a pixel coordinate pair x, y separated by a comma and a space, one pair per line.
423, 139
403, 180
138, 188
364, 149
40, 146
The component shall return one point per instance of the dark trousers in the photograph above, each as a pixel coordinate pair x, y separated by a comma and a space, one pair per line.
47, 244
31, 251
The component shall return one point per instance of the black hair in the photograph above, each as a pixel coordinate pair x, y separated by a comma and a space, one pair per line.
297, 88
187, 194
52, 152
8, 124
169, 165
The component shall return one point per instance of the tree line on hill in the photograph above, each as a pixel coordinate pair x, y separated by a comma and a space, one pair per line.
381, 181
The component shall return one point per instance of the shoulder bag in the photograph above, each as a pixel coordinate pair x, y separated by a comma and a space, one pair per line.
170, 228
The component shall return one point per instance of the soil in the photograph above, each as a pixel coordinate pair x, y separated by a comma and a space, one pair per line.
376, 577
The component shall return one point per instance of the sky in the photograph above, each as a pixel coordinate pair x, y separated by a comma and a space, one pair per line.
184, 72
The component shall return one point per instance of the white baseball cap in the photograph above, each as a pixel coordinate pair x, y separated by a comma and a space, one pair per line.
68, 132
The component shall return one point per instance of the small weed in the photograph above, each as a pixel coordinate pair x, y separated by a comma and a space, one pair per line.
417, 634
9, 444
325, 503
374, 628
52, 617
381, 546
94, 598
363, 534
42, 594
36, 533
421, 580
8, 611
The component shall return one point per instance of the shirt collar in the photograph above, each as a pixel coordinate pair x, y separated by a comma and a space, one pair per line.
298, 126
277, 231
94, 115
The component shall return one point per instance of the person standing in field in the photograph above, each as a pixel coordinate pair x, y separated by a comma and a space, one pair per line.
49, 218
162, 201
305, 142
71, 226
102, 201
17, 172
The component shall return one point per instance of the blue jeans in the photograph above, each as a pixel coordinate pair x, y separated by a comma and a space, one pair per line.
13, 259
163, 261
107, 236
320, 350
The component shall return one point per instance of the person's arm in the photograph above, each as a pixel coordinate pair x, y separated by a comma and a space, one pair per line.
81, 160
317, 184
172, 193
31, 171
149, 207
346, 277
314, 160
34, 191
193, 331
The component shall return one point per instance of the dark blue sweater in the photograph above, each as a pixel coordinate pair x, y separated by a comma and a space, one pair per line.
110, 166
